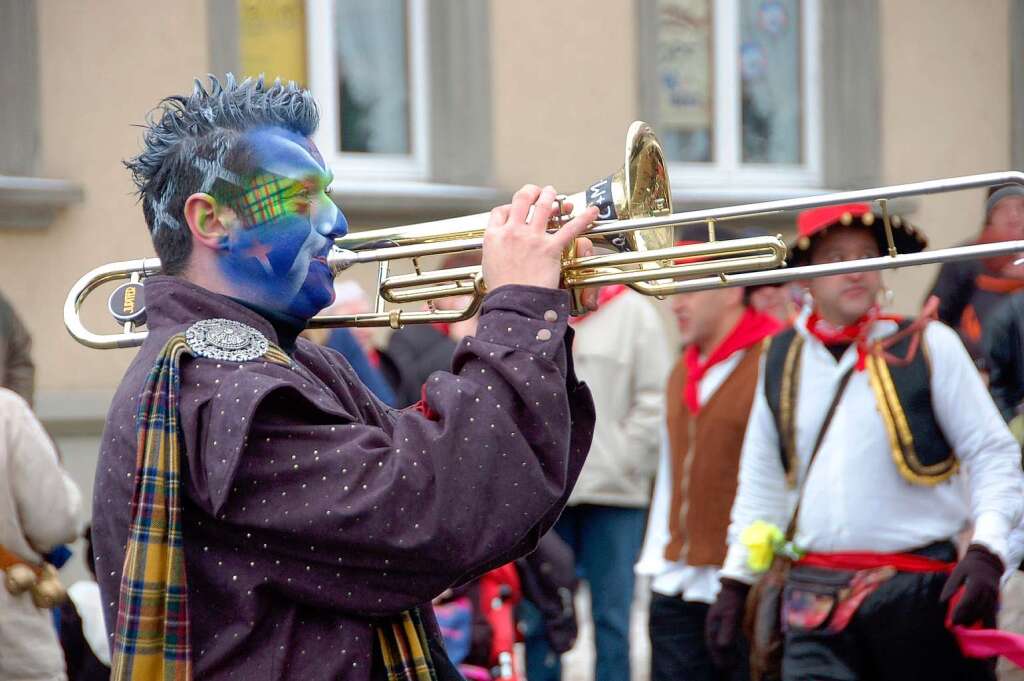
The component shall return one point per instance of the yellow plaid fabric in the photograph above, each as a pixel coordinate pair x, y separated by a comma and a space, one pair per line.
403, 645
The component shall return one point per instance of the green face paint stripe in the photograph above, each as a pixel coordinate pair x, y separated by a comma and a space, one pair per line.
267, 200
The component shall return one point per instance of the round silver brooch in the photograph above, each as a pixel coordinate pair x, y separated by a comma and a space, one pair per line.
226, 339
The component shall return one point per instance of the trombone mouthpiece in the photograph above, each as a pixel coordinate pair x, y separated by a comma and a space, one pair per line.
339, 259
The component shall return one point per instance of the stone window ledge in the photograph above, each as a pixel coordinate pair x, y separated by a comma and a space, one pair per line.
366, 203
33, 202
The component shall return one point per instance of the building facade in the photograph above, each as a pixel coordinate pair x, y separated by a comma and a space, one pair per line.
435, 108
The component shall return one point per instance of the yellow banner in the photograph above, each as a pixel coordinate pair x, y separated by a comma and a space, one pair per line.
272, 39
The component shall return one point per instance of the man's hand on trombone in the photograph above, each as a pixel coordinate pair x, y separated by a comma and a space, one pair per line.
518, 249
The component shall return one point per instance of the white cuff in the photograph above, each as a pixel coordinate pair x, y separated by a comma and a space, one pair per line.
992, 530
736, 565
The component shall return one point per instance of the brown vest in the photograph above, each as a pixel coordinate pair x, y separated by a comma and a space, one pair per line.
705, 454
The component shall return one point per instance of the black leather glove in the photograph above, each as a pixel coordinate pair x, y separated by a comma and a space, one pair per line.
979, 572
722, 627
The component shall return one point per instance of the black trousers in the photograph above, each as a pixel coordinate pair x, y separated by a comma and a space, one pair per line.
678, 651
898, 633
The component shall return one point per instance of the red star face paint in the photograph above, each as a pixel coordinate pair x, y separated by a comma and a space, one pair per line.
281, 224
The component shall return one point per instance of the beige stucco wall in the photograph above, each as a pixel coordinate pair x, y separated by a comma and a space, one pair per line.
102, 66
945, 111
564, 89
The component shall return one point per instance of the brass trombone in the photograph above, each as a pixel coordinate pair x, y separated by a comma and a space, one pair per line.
634, 231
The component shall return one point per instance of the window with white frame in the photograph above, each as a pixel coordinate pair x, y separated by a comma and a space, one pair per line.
736, 91
368, 70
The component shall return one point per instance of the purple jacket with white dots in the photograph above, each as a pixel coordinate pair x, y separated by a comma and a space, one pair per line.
310, 508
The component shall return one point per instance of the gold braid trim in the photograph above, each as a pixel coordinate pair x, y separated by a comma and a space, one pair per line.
883, 410
901, 439
787, 405
277, 355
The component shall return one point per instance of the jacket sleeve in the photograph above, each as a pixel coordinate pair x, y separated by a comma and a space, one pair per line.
651, 367
375, 518
17, 372
979, 436
761, 493
953, 286
48, 502
548, 578
1002, 346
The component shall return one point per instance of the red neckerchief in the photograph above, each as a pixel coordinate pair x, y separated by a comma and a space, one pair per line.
858, 333
604, 295
752, 328
443, 328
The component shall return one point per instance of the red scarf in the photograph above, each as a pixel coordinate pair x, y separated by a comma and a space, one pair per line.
859, 330
604, 295
752, 328
856, 333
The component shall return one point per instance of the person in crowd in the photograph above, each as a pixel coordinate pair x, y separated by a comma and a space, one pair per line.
478, 619
40, 507
780, 302
969, 291
1003, 345
354, 344
350, 298
17, 372
416, 351
83, 633
862, 461
280, 521
621, 353
708, 399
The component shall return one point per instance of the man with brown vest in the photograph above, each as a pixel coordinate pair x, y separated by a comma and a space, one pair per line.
709, 396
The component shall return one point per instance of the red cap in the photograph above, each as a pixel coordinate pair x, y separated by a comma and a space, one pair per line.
688, 242
812, 221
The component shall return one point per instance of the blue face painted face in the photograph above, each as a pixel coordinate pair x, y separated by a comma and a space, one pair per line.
275, 251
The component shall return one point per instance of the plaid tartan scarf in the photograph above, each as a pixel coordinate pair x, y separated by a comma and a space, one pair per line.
151, 641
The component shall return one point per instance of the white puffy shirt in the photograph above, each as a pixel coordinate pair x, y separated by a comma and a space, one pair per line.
40, 507
855, 498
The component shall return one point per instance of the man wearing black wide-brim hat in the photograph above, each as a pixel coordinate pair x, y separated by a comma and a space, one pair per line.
881, 431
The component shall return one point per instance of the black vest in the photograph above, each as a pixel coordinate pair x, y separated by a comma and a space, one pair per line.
903, 395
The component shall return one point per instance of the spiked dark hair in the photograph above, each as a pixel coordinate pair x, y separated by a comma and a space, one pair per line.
190, 142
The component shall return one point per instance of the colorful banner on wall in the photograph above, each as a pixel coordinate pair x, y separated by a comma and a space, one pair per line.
272, 39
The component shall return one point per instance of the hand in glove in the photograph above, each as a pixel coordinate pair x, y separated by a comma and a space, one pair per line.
723, 623
978, 572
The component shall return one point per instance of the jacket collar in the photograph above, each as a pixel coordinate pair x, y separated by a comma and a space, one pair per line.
175, 302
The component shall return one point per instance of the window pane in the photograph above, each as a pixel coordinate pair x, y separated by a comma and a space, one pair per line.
772, 98
684, 88
373, 70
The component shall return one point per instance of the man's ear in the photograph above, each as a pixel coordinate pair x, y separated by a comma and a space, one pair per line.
205, 220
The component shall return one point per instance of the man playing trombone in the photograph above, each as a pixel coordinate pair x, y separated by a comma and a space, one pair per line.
258, 513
